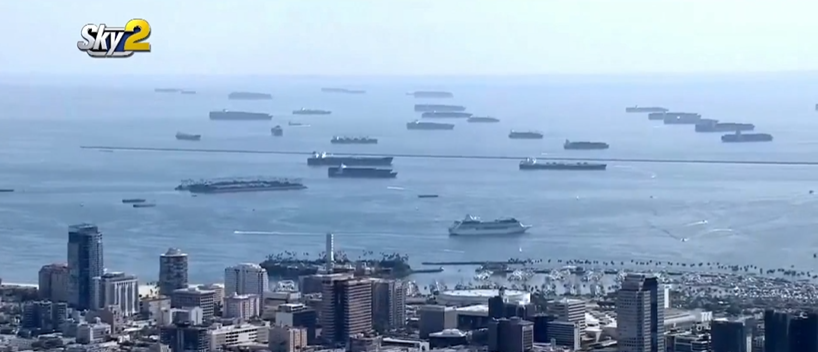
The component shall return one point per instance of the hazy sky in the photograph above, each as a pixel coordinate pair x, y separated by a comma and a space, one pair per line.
419, 37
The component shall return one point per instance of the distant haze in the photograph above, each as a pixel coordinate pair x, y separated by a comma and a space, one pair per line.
419, 37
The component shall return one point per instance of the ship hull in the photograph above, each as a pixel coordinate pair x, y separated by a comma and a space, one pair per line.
335, 172
489, 232
244, 190
482, 120
331, 161
600, 167
586, 147
732, 139
192, 138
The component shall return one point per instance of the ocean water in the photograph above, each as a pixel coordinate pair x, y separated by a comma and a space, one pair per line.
741, 214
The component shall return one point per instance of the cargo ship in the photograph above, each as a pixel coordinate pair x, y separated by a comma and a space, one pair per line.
473, 226
167, 90
228, 115
6, 190
143, 205
634, 109
724, 127
584, 145
431, 94
188, 137
249, 96
232, 185
661, 116
304, 111
425, 125
343, 91
533, 164
682, 119
344, 171
739, 137
277, 131
438, 107
482, 119
525, 135
189, 92
133, 200
446, 114
353, 140
324, 159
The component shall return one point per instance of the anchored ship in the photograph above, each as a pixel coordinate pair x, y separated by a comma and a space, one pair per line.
249, 96
277, 131
344, 171
478, 119
739, 137
248, 184
343, 90
189, 92
684, 118
473, 226
724, 127
584, 145
425, 125
353, 140
645, 109
533, 164
167, 90
446, 114
324, 159
438, 107
525, 135
304, 111
133, 200
431, 94
228, 115
290, 123
188, 137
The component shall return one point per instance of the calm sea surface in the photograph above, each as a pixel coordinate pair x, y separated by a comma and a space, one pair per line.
741, 214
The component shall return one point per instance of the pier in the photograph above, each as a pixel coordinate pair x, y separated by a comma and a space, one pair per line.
473, 157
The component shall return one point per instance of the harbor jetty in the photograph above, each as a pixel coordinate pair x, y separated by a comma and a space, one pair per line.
291, 265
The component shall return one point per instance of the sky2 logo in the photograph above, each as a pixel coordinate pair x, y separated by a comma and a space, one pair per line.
101, 41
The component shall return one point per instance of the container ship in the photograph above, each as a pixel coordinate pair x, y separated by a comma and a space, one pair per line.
438, 107
634, 109
188, 137
445, 115
482, 119
525, 135
344, 171
228, 115
304, 111
724, 127
232, 185
473, 226
324, 159
661, 116
533, 164
343, 91
425, 125
249, 96
277, 131
353, 140
682, 119
431, 94
739, 137
584, 145
167, 90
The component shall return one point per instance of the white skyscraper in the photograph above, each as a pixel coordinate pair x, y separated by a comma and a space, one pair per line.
246, 279
117, 289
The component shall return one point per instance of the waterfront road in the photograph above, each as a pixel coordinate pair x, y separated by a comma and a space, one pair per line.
447, 156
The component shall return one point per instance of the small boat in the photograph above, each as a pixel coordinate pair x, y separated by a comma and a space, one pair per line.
277, 131
295, 123
188, 137
427, 195
144, 205
133, 200
6, 190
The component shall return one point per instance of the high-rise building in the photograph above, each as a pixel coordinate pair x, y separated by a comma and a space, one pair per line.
246, 279
510, 335
44, 315
185, 338
790, 332
388, 305
730, 336
346, 309
173, 267
436, 318
640, 314
287, 339
116, 289
53, 282
194, 297
85, 262
241, 307
569, 310
300, 316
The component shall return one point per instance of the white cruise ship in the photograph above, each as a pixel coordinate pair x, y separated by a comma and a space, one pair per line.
473, 226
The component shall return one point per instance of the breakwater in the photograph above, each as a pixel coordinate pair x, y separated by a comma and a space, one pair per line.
476, 157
